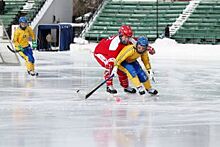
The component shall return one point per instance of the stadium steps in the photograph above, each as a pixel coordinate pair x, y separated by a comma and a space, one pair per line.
11, 11
202, 26
14, 9
33, 10
142, 16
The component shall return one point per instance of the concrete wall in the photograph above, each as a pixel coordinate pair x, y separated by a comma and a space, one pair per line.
61, 9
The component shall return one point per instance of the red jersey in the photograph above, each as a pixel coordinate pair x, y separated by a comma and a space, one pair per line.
109, 47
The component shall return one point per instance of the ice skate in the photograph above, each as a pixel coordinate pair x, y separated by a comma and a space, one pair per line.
32, 73
130, 90
152, 91
111, 89
141, 90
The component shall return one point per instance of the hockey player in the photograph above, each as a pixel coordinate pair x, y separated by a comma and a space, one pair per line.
21, 37
126, 61
106, 52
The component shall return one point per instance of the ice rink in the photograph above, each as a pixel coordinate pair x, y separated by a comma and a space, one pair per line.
47, 112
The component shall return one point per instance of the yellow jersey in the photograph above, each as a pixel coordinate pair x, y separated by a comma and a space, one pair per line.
21, 37
129, 54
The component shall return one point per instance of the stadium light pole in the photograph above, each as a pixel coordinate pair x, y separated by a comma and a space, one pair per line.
157, 18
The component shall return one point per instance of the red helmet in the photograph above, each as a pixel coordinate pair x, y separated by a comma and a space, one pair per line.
125, 31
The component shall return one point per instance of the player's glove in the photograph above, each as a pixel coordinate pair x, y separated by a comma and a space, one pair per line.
34, 44
20, 48
151, 50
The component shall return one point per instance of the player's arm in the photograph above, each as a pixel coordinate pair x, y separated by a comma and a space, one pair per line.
147, 64
34, 42
15, 39
151, 50
31, 32
124, 54
146, 61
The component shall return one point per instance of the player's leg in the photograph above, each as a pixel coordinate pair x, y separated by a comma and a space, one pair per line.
123, 79
103, 61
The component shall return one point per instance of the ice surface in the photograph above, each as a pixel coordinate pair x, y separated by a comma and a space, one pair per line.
47, 112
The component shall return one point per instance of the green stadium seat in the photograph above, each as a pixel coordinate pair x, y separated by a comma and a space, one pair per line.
203, 24
141, 15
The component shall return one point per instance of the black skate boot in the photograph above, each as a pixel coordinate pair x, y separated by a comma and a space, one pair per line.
152, 91
130, 90
32, 73
141, 90
111, 89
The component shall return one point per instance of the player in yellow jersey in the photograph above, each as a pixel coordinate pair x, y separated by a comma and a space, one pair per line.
127, 62
21, 37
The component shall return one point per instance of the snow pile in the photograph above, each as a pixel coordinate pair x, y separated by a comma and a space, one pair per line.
80, 41
82, 45
166, 48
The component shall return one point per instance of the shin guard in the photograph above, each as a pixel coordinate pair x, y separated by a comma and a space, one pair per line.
123, 79
147, 84
107, 72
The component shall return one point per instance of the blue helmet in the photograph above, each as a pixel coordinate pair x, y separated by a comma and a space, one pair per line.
22, 19
142, 41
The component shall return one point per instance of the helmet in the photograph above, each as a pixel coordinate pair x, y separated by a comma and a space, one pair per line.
142, 41
125, 30
22, 19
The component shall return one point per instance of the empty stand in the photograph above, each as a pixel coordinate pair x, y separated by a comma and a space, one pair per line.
142, 16
203, 26
15, 8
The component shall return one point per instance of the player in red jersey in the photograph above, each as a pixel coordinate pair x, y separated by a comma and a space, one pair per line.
107, 50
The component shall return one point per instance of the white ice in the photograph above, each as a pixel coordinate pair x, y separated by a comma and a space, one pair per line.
47, 112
